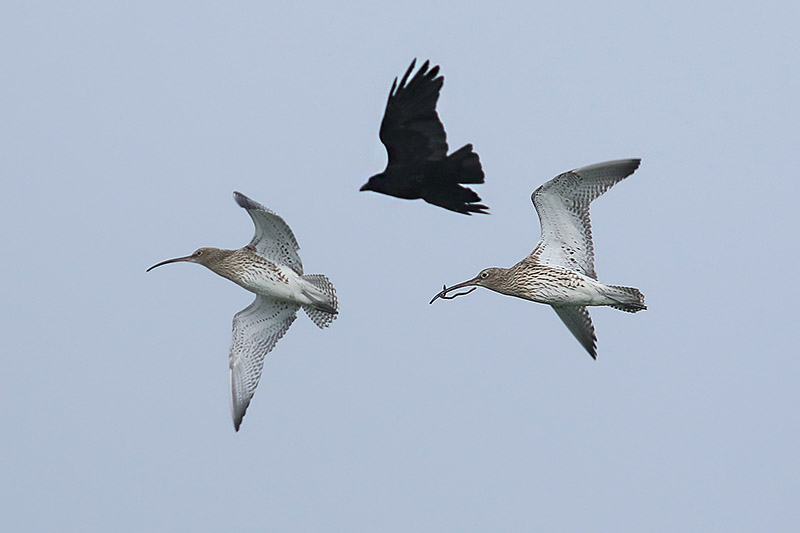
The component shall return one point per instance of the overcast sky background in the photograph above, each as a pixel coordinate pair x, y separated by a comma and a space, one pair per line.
125, 129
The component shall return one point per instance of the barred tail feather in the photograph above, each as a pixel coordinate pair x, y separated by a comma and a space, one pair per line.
325, 311
629, 299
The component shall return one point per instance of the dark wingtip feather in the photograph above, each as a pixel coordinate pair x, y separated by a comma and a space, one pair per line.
479, 209
239, 417
466, 208
241, 199
407, 74
634, 165
244, 201
592, 349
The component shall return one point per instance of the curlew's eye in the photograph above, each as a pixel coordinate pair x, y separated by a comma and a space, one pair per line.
484, 275
198, 253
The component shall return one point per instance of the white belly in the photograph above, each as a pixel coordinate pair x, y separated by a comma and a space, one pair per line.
586, 291
285, 284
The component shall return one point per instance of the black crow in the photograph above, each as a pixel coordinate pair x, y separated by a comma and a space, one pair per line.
419, 166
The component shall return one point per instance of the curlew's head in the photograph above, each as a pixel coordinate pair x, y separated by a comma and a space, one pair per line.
208, 257
491, 278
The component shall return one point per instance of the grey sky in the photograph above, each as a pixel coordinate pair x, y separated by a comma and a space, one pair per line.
125, 128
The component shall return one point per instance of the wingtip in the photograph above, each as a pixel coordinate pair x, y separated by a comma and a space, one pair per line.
633, 163
244, 202
407, 74
592, 348
238, 417
475, 209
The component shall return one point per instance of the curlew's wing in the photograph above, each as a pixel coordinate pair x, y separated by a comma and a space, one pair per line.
411, 129
273, 238
563, 207
578, 321
256, 330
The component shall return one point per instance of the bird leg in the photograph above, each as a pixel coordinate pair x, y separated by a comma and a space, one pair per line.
443, 295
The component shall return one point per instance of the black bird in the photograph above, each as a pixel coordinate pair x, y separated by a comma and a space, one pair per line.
419, 166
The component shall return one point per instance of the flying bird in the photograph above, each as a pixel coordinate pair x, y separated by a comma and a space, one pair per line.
270, 267
560, 270
416, 144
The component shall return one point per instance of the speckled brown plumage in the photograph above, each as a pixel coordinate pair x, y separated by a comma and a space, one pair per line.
560, 270
270, 267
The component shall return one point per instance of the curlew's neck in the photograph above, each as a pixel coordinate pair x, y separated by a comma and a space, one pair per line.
226, 263
502, 280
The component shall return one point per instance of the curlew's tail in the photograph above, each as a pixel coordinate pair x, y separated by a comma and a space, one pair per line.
465, 166
629, 299
326, 305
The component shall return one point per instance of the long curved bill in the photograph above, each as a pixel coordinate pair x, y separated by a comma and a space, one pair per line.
188, 258
443, 294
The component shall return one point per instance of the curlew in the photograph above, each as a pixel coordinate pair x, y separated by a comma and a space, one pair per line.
560, 270
269, 267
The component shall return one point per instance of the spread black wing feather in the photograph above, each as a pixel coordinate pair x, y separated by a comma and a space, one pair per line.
411, 129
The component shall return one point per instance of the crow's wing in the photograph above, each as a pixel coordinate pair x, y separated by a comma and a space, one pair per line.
411, 130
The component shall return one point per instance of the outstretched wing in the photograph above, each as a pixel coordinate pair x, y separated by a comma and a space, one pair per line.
256, 330
578, 321
411, 129
563, 207
273, 239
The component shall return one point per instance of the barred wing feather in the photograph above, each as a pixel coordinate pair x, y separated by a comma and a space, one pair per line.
256, 330
563, 208
273, 239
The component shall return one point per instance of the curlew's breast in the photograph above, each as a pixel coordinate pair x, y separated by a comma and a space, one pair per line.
552, 285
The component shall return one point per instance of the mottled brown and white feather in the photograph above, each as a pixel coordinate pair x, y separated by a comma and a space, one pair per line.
269, 267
